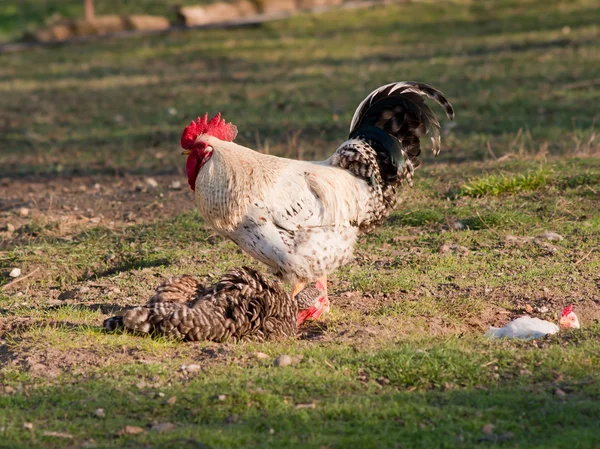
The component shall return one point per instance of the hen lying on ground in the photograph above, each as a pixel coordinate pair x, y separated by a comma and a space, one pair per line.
302, 219
243, 305
527, 328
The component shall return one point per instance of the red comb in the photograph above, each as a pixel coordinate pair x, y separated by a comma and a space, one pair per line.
215, 127
567, 310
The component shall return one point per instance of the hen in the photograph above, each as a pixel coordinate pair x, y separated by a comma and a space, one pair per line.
527, 328
300, 218
243, 305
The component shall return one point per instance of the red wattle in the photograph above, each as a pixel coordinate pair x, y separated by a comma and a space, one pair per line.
192, 168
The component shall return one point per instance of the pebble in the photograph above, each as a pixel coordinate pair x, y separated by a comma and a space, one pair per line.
15, 273
283, 360
151, 182
131, 430
10, 227
175, 185
97, 186
191, 368
457, 225
172, 400
28, 425
83, 289
23, 212
261, 355
221, 397
552, 236
100, 413
560, 393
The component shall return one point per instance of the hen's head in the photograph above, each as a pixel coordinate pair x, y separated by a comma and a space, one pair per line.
196, 149
312, 303
568, 319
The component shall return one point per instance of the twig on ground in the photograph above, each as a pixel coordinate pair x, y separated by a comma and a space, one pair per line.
10, 284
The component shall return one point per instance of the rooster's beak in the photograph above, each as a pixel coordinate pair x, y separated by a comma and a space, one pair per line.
186, 152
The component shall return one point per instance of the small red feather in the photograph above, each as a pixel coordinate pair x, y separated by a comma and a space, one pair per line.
215, 127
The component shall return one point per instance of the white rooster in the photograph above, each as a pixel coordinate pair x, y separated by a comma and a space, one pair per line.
527, 328
302, 218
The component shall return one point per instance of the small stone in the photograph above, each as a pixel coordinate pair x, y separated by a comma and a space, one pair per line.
560, 393
28, 425
69, 294
488, 429
528, 308
97, 186
151, 182
131, 430
23, 212
221, 397
83, 289
15, 273
552, 236
163, 427
272, 431
172, 111
161, 394
175, 185
172, 400
99, 413
457, 225
10, 227
283, 360
9, 390
191, 368
261, 355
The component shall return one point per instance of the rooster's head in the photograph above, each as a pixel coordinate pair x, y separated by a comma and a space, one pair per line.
568, 319
196, 149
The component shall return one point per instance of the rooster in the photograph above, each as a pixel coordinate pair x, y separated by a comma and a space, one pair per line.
302, 219
243, 305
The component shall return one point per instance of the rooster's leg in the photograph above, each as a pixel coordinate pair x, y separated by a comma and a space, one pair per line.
321, 284
298, 287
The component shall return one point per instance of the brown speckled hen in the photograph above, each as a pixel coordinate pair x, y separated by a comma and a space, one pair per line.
243, 305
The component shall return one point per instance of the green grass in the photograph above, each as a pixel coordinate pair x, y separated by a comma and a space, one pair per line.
401, 362
499, 184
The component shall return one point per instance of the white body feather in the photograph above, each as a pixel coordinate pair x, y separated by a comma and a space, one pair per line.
299, 218
525, 328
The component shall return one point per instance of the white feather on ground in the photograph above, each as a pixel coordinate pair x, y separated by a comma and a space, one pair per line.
525, 327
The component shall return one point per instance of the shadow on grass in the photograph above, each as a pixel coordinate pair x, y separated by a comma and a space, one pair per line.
523, 416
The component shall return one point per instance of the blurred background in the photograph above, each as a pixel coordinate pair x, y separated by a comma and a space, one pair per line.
523, 77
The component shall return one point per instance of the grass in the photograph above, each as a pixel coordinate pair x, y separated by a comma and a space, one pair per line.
401, 362
500, 184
